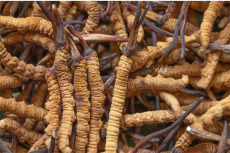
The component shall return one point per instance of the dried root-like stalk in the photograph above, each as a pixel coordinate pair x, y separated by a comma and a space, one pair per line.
52, 106
10, 81
207, 23
62, 71
118, 23
20, 67
63, 7
33, 37
96, 86
21, 109
171, 24
91, 7
172, 102
118, 100
150, 117
16, 129
27, 24
152, 84
82, 106
194, 69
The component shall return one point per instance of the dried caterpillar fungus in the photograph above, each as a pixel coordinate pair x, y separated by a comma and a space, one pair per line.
118, 100
21, 109
52, 117
105, 29
37, 11
38, 100
82, 106
151, 117
152, 84
118, 23
27, 24
63, 7
71, 14
23, 134
96, 86
129, 18
207, 23
10, 81
34, 37
39, 143
173, 9
62, 71
27, 70
93, 15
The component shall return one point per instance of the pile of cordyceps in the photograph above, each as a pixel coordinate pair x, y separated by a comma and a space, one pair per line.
114, 77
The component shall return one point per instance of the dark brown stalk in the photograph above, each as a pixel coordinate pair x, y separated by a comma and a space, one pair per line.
183, 31
52, 144
105, 60
109, 9
166, 140
3, 147
161, 132
25, 6
14, 8
194, 92
44, 59
110, 81
26, 52
177, 27
223, 139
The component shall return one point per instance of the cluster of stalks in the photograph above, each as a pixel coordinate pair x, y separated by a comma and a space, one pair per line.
114, 77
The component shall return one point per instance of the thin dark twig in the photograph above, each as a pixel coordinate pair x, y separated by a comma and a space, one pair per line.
158, 106
74, 22
177, 27
26, 52
108, 10
131, 45
52, 144
223, 139
14, 8
108, 83
153, 33
194, 92
3, 147
25, 6
105, 60
14, 143
156, 29
158, 133
169, 136
42, 150
183, 31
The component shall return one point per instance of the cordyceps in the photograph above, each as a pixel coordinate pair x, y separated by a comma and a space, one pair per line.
207, 119
27, 24
97, 96
207, 23
120, 87
20, 67
118, 23
23, 134
38, 100
82, 95
93, 19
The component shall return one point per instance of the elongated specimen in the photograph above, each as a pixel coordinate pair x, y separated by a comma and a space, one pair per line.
38, 100
207, 119
207, 23
194, 69
39, 143
21, 109
10, 81
118, 23
63, 7
27, 24
64, 80
96, 86
93, 15
153, 84
150, 117
52, 106
16, 129
20, 67
82, 95
33, 37
120, 87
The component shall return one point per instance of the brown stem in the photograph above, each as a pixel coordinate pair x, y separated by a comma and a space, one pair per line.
14, 8
3, 147
223, 139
